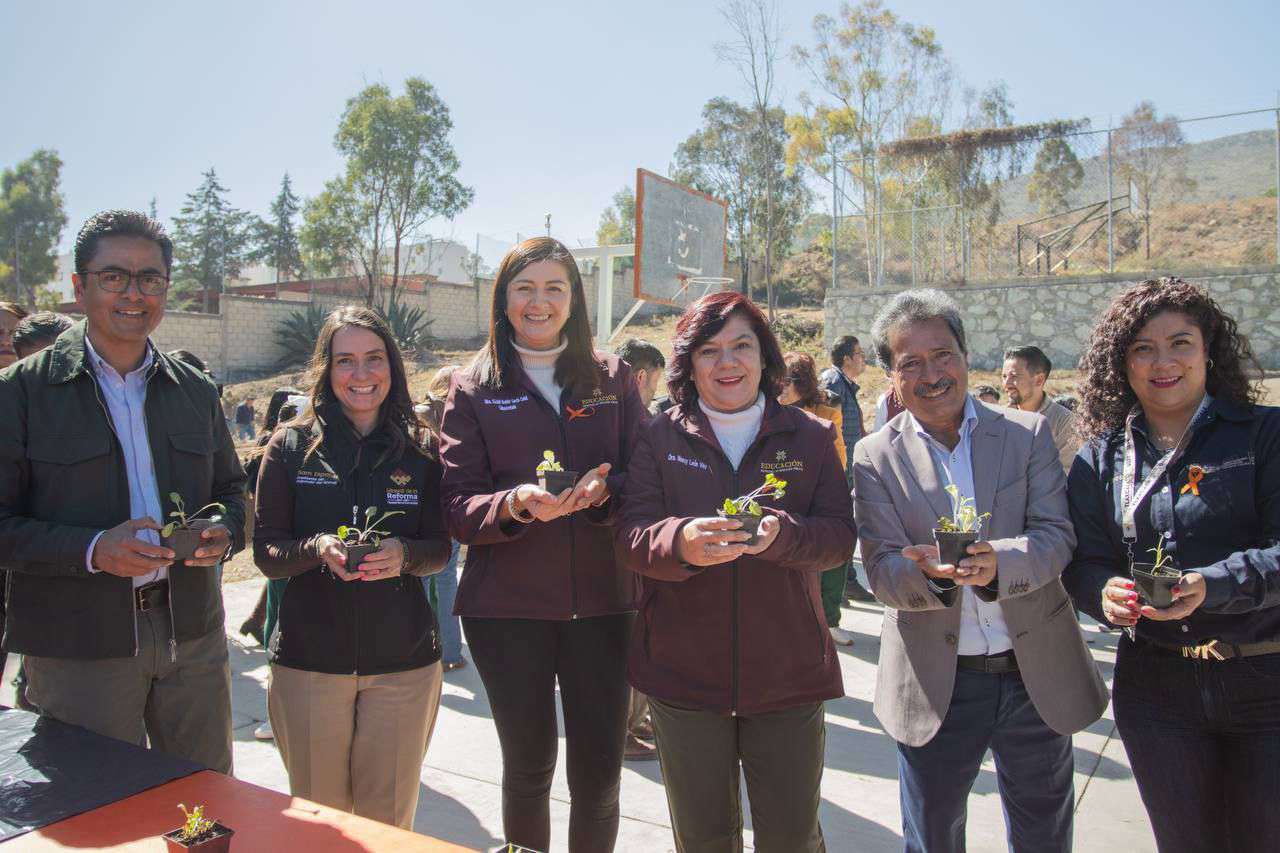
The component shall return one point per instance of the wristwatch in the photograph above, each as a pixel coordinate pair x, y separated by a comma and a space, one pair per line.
521, 515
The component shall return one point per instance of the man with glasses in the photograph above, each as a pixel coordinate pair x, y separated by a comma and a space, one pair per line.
101, 429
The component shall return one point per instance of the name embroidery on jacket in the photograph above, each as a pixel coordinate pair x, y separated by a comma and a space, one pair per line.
316, 478
506, 404
402, 496
684, 460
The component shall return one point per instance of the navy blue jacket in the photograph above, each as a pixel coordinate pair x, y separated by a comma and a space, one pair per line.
1229, 532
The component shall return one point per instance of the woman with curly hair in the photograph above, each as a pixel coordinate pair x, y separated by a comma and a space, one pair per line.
800, 388
1182, 464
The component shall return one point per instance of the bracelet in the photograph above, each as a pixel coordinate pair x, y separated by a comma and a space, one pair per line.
521, 515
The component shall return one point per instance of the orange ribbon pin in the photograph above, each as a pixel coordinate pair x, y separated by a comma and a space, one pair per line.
574, 414
1194, 475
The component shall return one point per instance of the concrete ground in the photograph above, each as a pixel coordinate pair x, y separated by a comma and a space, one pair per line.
461, 793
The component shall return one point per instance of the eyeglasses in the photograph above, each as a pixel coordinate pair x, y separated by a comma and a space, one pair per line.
117, 281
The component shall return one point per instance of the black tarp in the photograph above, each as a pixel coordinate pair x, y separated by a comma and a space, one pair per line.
51, 770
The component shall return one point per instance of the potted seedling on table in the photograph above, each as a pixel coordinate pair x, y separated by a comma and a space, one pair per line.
551, 474
199, 833
182, 535
747, 510
954, 535
1155, 581
360, 542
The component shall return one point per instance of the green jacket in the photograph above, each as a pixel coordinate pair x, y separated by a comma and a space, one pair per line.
63, 479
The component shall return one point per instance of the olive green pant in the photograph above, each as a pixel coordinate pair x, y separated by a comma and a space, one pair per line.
832, 586
780, 754
182, 706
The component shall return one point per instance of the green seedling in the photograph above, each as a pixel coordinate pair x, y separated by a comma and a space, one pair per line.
182, 520
1163, 560
964, 514
197, 824
548, 463
749, 503
355, 535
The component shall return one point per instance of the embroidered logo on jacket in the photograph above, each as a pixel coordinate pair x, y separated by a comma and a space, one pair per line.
402, 497
400, 478
781, 463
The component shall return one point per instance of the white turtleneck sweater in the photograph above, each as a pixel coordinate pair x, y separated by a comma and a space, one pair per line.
735, 430
540, 366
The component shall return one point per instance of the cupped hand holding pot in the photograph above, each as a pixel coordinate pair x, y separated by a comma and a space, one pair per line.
592, 489
333, 554
214, 542
926, 557
120, 552
386, 562
713, 540
979, 568
1187, 596
768, 531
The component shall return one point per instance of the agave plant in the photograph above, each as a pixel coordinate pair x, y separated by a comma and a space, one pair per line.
296, 335
410, 325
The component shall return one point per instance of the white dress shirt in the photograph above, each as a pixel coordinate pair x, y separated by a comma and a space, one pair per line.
982, 627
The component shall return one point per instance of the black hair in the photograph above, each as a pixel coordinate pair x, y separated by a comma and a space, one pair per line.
36, 331
979, 390
186, 356
1033, 357
120, 223
842, 349
641, 355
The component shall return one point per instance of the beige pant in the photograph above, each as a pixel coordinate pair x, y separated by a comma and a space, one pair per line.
355, 742
183, 706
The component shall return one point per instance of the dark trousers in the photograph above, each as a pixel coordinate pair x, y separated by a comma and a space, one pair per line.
1203, 739
832, 585
779, 753
1033, 768
520, 661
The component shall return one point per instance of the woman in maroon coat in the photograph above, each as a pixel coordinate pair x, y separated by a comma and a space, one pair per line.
542, 598
731, 645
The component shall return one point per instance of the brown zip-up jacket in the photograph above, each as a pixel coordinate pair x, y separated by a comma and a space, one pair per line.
490, 442
749, 636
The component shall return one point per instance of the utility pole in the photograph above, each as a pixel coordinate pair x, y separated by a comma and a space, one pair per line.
835, 212
17, 265
548, 224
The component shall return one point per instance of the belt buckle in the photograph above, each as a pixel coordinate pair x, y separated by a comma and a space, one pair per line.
1204, 651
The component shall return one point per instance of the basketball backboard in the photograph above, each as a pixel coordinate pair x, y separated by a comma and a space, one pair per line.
680, 235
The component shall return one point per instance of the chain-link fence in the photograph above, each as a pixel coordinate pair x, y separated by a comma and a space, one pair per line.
1062, 199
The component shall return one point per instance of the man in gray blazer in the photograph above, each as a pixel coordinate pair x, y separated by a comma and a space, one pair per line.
985, 653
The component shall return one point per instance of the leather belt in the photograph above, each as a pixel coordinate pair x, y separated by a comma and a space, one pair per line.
1217, 650
151, 595
990, 664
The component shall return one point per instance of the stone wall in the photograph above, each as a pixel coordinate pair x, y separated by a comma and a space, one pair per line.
1058, 314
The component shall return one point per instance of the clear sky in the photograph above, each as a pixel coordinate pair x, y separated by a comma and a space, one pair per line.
554, 104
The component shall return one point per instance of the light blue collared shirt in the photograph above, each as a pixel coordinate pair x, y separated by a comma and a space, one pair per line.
126, 399
982, 627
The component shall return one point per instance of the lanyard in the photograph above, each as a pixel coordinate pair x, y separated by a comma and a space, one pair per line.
1131, 496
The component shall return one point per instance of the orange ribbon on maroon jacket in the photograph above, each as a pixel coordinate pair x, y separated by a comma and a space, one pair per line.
1194, 475
574, 414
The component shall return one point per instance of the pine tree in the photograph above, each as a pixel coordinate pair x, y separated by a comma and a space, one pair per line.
210, 237
276, 241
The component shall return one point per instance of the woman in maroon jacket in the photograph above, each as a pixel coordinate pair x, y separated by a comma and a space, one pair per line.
731, 646
541, 597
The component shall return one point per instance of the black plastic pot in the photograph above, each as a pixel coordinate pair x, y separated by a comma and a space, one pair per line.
218, 840
952, 545
356, 553
556, 482
184, 541
1155, 586
750, 524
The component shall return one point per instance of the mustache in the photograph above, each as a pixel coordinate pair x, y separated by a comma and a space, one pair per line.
943, 384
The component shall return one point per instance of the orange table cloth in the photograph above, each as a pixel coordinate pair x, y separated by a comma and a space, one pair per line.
263, 820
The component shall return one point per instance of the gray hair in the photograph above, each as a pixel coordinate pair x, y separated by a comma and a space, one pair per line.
915, 306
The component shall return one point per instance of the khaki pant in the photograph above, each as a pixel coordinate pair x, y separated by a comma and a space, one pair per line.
183, 707
780, 754
356, 742
637, 712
